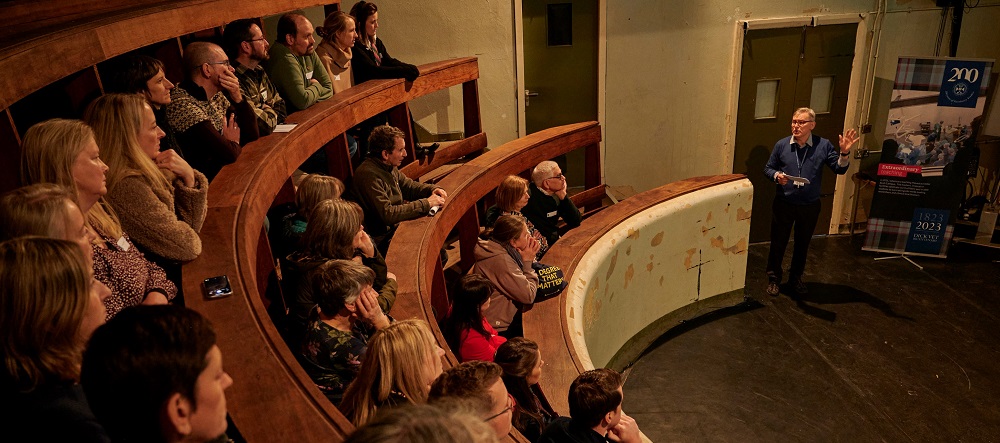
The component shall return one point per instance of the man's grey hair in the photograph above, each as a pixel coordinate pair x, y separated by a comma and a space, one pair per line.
812, 114
543, 171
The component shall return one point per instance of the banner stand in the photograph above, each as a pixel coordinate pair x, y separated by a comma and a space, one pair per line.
904, 257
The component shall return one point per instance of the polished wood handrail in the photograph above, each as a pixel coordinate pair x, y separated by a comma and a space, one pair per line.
547, 324
272, 396
43, 56
415, 247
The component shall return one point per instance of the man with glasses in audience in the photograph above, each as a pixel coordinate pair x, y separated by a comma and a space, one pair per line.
796, 166
478, 383
548, 202
295, 67
199, 112
246, 46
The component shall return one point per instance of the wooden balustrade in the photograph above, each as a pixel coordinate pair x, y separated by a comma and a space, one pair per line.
272, 397
414, 254
549, 323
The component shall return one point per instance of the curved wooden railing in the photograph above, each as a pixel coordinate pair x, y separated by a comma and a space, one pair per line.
622, 238
51, 40
272, 398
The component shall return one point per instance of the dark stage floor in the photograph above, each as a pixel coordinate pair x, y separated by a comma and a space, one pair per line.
878, 351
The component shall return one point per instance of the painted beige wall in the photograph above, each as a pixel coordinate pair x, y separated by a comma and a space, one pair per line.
669, 71
427, 31
688, 249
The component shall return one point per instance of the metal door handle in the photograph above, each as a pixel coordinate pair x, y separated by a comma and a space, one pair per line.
527, 97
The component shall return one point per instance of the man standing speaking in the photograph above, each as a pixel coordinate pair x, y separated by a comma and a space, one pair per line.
796, 166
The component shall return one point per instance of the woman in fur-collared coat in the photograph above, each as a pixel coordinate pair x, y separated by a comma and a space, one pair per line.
159, 198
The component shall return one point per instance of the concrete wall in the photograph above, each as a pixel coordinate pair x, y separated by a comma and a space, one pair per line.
669, 71
678, 253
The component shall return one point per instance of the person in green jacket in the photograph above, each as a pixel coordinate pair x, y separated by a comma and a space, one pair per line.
294, 67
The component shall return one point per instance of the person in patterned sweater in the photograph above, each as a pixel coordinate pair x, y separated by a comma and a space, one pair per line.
210, 134
247, 48
338, 329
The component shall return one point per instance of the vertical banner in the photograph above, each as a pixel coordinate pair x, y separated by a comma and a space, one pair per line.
922, 172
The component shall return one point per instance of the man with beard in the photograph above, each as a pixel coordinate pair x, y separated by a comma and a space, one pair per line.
294, 66
246, 46
211, 135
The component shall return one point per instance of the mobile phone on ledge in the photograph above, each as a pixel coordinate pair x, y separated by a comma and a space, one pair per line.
217, 287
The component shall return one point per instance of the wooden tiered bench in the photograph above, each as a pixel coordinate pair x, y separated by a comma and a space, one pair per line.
272, 397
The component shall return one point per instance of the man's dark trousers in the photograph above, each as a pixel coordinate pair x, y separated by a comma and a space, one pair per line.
784, 216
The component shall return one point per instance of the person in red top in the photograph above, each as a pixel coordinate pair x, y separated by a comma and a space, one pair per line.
467, 331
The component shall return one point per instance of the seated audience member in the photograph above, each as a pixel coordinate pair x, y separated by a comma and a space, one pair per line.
143, 75
400, 364
334, 232
522, 368
371, 60
50, 306
512, 196
44, 210
338, 33
478, 381
64, 152
387, 196
549, 202
154, 374
504, 256
424, 424
293, 65
468, 333
247, 47
595, 405
313, 189
337, 330
209, 134
160, 200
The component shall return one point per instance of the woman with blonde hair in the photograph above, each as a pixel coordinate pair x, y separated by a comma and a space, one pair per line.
50, 304
401, 362
64, 152
44, 210
334, 232
512, 196
160, 200
338, 33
